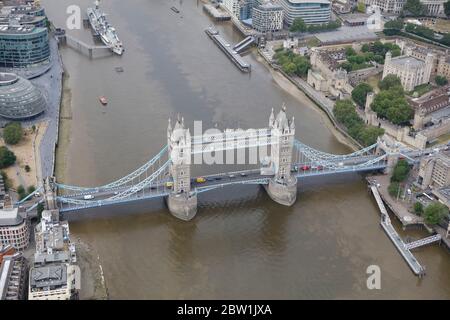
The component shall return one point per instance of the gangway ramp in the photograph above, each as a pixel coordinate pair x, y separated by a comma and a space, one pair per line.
241, 46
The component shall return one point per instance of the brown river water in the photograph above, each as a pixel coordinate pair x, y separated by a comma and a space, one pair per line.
241, 244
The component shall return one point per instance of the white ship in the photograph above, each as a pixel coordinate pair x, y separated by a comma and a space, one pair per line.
107, 33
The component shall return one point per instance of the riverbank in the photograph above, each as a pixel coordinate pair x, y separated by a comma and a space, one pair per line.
65, 122
296, 91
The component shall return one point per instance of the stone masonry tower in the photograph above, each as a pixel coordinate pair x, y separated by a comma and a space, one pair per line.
182, 202
282, 187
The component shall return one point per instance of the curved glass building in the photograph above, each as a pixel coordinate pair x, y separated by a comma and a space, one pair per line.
311, 11
19, 98
23, 46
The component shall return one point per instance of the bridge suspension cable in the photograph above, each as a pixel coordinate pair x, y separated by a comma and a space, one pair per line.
120, 182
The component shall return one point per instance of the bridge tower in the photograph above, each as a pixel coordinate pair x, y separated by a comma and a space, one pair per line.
182, 201
282, 188
50, 193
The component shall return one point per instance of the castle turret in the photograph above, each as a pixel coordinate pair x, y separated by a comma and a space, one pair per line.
182, 202
282, 187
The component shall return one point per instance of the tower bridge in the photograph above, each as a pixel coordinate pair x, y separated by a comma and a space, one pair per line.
168, 174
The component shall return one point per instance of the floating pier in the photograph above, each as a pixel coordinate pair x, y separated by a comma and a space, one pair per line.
215, 13
226, 47
402, 247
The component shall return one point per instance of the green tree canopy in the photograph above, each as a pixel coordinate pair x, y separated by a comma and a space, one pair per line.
7, 157
12, 134
447, 8
414, 8
298, 25
435, 213
392, 105
391, 81
394, 189
360, 92
441, 81
418, 208
401, 171
394, 24
345, 113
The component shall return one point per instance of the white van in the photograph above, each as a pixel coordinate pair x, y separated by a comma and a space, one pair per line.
88, 197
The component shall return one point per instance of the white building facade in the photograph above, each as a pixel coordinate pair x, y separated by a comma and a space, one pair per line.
267, 17
14, 229
311, 11
411, 71
433, 7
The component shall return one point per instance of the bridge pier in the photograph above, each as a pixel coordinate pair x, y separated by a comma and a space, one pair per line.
282, 193
182, 206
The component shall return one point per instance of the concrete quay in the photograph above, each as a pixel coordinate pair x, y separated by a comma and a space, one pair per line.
215, 13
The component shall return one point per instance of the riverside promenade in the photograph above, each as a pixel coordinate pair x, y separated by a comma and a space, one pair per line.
50, 83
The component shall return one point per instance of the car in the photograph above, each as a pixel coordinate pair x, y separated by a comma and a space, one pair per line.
218, 178
294, 169
210, 179
152, 187
88, 197
200, 180
231, 176
169, 184
305, 168
116, 192
243, 174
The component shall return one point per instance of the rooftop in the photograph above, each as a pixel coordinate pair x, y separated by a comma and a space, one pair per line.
346, 34
21, 29
10, 217
49, 276
404, 60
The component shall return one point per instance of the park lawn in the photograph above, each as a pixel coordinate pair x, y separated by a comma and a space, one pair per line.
421, 90
442, 25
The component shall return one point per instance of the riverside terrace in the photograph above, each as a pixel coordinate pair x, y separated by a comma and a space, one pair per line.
168, 174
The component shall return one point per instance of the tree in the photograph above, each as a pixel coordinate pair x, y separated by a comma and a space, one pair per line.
7, 157
418, 208
394, 189
289, 68
27, 168
400, 172
21, 192
369, 135
447, 8
392, 105
359, 94
440, 80
389, 82
298, 25
393, 27
361, 7
414, 8
349, 51
365, 47
13, 133
40, 207
31, 189
435, 213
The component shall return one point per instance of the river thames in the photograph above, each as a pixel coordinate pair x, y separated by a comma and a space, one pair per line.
241, 245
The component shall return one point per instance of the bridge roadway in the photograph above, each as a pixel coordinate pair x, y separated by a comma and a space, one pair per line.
214, 181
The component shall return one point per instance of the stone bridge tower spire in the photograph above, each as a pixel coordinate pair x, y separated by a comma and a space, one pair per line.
282, 188
182, 202
50, 194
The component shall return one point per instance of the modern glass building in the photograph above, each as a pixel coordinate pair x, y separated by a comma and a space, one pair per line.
19, 98
23, 46
311, 11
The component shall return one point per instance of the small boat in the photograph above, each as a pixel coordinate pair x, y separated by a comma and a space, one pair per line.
103, 100
175, 10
